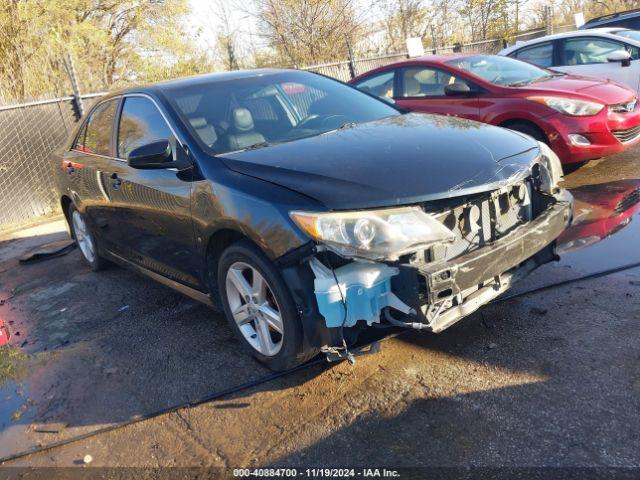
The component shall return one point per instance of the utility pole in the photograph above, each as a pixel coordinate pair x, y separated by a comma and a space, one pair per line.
78, 107
434, 47
352, 62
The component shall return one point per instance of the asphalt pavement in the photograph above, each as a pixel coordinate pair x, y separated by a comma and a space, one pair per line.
545, 379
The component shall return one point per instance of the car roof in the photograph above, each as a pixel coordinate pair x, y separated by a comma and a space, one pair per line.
605, 32
199, 80
612, 17
441, 58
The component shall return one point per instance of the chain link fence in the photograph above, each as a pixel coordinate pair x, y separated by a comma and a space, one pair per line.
347, 69
31, 131
29, 134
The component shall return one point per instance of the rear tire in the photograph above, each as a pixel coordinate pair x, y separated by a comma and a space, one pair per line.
259, 308
85, 239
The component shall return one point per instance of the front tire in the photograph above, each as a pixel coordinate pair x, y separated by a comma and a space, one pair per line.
528, 129
539, 135
259, 308
568, 168
81, 233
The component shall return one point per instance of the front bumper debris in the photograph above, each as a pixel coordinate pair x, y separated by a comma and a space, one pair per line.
336, 304
471, 280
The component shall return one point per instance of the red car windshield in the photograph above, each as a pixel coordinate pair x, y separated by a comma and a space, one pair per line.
502, 71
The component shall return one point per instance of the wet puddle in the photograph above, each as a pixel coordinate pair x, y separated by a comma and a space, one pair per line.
15, 404
605, 231
16, 408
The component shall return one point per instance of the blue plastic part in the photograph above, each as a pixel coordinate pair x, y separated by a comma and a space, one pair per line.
365, 287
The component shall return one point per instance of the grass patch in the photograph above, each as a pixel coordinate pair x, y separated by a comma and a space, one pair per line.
12, 363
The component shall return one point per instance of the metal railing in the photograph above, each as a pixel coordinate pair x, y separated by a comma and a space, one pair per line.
343, 71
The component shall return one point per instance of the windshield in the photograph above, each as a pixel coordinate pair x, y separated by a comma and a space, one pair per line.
632, 34
265, 109
503, 71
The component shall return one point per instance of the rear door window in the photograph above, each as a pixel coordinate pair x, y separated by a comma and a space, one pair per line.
380, 85
97, 139
541, 54
427, 82
78, 144
141, 123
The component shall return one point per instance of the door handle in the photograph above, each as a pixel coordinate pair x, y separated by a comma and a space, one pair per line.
116, 181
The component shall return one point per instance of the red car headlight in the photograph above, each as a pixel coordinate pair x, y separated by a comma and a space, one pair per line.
570, 106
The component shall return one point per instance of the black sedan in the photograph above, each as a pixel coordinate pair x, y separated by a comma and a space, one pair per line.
306, 210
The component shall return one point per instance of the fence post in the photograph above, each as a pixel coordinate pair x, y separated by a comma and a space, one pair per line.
78, 107
548, 10
352, 63
434, 45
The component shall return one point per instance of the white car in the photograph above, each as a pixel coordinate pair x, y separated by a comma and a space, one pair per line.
606, 53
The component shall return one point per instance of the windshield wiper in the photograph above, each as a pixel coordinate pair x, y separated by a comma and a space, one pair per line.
256, 146
520, 83
547, 77
344, 126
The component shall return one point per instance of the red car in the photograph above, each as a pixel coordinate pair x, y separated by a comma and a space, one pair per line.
581, 118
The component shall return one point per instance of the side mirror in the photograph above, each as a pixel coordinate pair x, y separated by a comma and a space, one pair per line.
621, 56
458, 89
151, 156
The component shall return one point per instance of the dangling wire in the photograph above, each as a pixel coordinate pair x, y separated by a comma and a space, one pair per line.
348, 355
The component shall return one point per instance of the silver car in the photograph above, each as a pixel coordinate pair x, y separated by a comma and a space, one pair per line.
606, 53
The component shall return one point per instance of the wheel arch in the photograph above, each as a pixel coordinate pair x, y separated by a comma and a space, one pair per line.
509, 123
216, 244
65, 205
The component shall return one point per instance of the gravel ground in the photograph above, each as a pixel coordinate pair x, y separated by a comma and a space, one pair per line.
548, 379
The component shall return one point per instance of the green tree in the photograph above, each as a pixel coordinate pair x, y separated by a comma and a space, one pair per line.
114, 43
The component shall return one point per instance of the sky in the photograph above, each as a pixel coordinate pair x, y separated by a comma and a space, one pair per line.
204, 18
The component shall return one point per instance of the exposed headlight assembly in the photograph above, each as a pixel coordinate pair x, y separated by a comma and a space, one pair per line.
374, 234
551, 173
570, 106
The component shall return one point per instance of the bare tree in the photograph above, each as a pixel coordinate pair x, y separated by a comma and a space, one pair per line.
403, 19
303, 32
483, 16
227, 42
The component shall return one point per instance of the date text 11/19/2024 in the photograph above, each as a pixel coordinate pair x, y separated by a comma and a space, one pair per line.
316, 472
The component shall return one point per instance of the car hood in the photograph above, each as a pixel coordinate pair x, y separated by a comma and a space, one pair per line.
397, 160
604, 91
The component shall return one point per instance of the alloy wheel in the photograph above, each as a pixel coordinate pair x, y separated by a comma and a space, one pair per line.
254, 308
83, 237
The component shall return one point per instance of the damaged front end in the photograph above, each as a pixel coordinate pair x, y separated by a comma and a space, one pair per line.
425, 266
